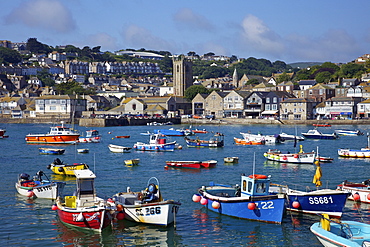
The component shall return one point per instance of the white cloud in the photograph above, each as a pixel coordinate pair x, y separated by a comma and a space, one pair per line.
140, 37
186, 18
49, 14
257, 36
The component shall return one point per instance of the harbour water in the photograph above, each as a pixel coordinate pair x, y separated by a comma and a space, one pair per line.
28, 222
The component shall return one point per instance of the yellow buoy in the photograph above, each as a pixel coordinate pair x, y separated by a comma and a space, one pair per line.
325, 223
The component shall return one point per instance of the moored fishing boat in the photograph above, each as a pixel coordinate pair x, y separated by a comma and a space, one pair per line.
341, 233
147, 206
118, 149
82, 150
356, 153
59, 168
315, 134
170, 132
359, 192
231, 159
38, 187
156, 143
289, 137
317, 201
242, 141
322, 125
122, 136
92, 136
132, 162
214, 142
55, 151
269, 139
348, 132
184, 164
251, 201
85, 209
287, 157
57, 135
324, 159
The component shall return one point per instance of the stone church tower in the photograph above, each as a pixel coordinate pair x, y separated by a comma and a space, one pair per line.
182, 75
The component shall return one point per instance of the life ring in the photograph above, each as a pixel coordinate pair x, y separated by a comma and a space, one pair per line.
258, 176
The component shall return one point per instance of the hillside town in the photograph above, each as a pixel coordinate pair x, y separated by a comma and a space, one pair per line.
152, 92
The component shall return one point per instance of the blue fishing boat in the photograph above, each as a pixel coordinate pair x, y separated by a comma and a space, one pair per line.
319, 201
251, 201
315, 134
54, 151
344, 233
156, 143
170, 132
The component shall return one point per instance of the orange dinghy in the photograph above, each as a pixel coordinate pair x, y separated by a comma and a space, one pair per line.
240, 141
57, 135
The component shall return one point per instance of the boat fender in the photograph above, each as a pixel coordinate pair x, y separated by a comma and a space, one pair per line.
258, 176
48, 167
60, 169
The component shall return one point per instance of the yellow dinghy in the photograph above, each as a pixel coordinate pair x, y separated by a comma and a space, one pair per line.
58, 167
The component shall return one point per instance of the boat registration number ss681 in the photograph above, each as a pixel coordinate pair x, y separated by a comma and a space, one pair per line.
320, 200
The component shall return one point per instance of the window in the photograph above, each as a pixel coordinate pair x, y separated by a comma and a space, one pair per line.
267, 100
63, 101
274, 107
321, 91
267, 107
213, 97
310, 92
53, 108
274, 100
236, 98
53, 101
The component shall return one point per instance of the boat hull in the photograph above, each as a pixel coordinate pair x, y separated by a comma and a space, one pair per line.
45, 191
362, 190
184, 164
353, 153
155, 147
161, 213
298, 158
240, 141
201, 143
68, 170
95, 219
330, 202
133, 162
52, 139
346, 233
118, 149
329, 137
268, 208
51, 151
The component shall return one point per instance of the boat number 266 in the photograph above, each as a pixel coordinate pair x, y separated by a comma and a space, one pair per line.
148, 211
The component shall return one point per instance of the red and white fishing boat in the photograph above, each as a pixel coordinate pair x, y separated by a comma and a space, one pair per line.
2, 134
57, 135
85, 209
242, 141
360, 192
92, 136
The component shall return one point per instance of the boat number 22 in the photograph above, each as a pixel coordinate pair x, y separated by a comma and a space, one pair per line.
148, 211
320, 200
265, 205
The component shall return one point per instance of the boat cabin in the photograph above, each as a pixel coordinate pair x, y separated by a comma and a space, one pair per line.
85, 194
155, 139
92, 133
255, 185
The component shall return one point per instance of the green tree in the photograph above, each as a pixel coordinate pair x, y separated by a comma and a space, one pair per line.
35, 46
323, 77
8, 56
166, 64
73, 87
283, 77
252, 82
352, 70
45, 77
192, 91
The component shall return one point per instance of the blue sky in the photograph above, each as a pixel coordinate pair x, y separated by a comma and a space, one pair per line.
290, 30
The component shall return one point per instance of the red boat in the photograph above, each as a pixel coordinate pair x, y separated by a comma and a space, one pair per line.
322, 125
199, 131
122, 136
209, 163
85, 209
184, 164
57, 135
2, 134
